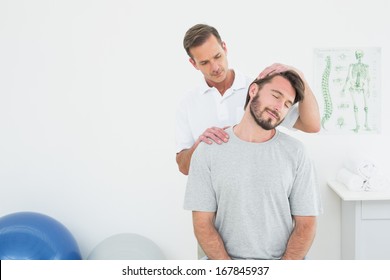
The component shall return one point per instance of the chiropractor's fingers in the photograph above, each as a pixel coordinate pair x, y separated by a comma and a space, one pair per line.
214, 134
274, 68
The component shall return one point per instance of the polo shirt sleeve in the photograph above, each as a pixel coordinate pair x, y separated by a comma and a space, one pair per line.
305, 196
200, 194
291, 117
183, 134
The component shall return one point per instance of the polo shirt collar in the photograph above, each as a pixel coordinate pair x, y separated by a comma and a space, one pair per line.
238, 83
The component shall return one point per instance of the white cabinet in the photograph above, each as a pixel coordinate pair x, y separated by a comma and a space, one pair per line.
365, 223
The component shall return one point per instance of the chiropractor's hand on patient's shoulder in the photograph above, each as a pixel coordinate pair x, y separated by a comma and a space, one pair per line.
214, 134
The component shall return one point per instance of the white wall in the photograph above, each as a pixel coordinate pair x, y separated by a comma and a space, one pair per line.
89, 88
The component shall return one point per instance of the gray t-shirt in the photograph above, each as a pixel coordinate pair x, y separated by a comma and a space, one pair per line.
254, 188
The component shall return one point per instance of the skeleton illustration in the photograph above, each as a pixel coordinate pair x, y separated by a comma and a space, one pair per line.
358, 85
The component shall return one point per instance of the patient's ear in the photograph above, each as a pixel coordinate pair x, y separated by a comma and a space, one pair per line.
253, 89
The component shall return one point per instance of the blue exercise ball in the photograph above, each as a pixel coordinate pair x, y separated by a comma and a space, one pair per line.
34, 236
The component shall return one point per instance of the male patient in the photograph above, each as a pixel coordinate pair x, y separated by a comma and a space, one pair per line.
256, 196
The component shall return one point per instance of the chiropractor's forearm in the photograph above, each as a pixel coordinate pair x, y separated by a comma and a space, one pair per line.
183, 160
309, 113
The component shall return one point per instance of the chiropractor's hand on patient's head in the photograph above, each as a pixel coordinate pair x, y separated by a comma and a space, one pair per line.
277, 68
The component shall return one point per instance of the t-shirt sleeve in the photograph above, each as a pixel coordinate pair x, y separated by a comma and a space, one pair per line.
305, 197
200, 195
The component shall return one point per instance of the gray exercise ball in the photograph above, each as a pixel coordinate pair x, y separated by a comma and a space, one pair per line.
126, 246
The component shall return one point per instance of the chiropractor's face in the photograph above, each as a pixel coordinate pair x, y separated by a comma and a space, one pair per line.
270, 104
210, 58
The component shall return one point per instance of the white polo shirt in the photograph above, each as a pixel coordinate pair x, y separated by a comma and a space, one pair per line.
205, 107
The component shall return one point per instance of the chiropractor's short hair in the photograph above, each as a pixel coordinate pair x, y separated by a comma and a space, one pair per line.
197, 35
